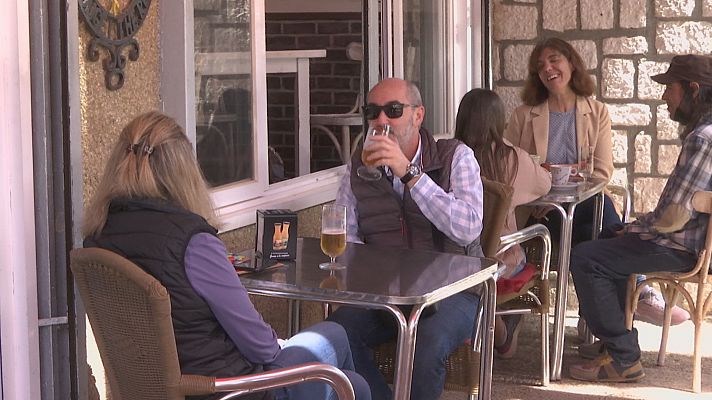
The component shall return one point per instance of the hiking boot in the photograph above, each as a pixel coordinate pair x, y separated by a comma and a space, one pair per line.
512, 325
592, 351
604, 369
651, 309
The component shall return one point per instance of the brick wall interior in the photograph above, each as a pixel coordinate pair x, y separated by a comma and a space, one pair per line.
334, 81
622, 42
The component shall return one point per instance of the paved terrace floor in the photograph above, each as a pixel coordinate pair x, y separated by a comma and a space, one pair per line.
518, 378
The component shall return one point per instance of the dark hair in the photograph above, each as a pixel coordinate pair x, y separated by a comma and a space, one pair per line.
701, 107
581, 83
480, 125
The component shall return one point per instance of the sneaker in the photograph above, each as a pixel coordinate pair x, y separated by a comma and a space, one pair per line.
604, 369
512, 325
651, 309
592, 351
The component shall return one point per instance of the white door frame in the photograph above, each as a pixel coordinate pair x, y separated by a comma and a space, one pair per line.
19, 332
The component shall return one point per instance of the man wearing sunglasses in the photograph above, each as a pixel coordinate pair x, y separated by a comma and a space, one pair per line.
429, 197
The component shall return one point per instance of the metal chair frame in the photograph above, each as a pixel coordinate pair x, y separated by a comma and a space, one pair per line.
673, 286
354, 117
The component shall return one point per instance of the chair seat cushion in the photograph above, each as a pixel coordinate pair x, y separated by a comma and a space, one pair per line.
514, 284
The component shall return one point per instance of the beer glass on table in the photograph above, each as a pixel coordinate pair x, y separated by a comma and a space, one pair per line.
371, 172
333, 234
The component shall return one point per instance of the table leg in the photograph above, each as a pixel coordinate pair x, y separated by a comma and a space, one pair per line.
562, 287
487, 350
303, 142
597, 227
405, 353
293, 323
346, 143
598, 216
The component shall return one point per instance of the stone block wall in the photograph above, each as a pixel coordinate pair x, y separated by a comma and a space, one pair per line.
622, 43
334, 81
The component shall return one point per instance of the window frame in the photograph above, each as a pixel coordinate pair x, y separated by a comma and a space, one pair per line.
235, 203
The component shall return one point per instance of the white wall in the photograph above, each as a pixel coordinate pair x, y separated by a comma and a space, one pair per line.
305, 6
18, 281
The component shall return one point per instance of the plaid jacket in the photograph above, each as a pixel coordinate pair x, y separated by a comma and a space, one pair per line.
674, 223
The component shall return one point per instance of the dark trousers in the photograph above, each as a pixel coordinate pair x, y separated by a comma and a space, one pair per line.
583, 220
438, 335
600, 269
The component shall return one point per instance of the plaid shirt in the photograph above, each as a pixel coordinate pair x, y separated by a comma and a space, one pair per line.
457, 214
692, 173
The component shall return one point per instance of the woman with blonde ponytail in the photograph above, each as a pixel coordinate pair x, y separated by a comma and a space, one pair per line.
152, 206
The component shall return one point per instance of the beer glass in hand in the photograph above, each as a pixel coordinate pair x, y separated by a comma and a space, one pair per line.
585, 167
333, 234
371, 172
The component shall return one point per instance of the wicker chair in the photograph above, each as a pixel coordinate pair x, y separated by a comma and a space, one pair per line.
673, 285
130, 313
462, 366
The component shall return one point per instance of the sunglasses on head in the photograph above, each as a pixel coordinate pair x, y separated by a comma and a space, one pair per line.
394, 109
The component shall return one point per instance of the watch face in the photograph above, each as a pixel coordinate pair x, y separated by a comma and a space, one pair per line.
413, 169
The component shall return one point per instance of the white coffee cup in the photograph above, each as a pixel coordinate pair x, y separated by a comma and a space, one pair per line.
560, 174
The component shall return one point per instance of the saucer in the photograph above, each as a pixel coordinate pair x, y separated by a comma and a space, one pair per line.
567, 185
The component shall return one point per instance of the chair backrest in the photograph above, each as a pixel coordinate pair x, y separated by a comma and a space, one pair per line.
130, 315
496, 201
702, 203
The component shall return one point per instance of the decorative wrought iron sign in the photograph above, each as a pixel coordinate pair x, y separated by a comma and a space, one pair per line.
114, 30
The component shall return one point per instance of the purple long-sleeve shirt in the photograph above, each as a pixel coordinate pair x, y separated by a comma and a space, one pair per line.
215, 280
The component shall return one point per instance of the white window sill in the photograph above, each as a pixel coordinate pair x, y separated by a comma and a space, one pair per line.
294, 194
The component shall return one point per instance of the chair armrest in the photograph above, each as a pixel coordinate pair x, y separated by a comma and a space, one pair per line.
195, 385
523, 235
286, 377
624, 192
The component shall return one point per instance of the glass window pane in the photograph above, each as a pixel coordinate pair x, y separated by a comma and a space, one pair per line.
223, 90
424, 57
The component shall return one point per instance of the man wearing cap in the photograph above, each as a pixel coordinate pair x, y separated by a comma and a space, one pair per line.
667, 239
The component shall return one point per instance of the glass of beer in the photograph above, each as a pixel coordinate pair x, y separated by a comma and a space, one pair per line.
333, 234
366, 171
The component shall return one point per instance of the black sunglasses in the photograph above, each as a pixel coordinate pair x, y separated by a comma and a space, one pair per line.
394, 109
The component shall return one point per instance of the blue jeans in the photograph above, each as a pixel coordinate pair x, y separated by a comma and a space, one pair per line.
600, 269
438, 335
325, 342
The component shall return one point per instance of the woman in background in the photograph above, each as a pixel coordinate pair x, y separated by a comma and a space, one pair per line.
480, 124
559, 117
152, 206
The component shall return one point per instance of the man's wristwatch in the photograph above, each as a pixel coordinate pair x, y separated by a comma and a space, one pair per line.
411, 171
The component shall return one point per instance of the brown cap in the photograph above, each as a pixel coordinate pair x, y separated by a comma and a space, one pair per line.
691, 68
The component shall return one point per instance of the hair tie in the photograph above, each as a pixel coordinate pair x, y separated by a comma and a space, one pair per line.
132, 148
148, 149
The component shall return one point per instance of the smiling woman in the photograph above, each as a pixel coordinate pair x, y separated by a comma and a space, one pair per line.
559, 117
